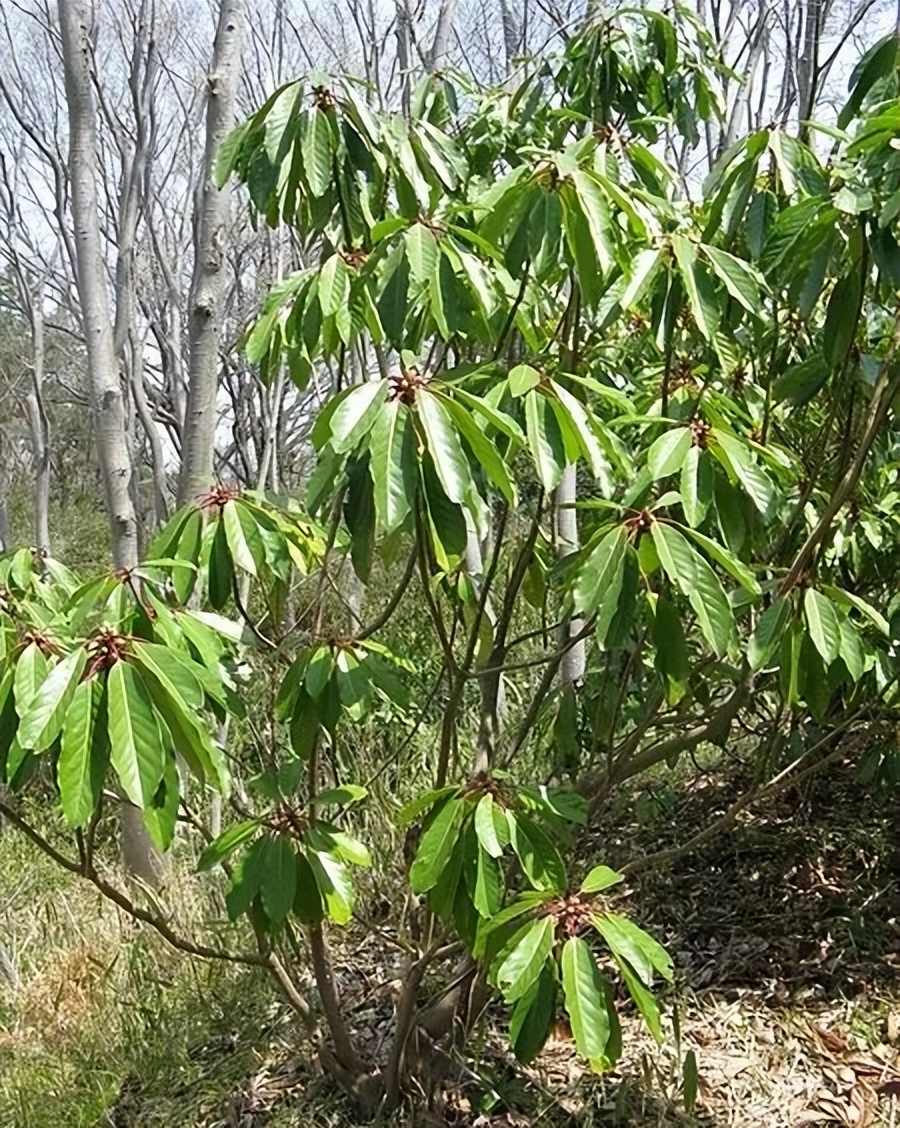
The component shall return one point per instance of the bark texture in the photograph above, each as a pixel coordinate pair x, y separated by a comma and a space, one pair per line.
107, 399
212, 212
106, 389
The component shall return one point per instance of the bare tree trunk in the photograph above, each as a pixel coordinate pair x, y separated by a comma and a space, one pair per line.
572, 667
107, 399
39, 425
207, 283
5, 533
404, 54
513, 32
443, 33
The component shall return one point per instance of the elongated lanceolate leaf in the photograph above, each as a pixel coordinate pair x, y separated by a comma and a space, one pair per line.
690, 573
523, 964
584, 990
136, 748
392, 464
41, 724
79, 770
444, 447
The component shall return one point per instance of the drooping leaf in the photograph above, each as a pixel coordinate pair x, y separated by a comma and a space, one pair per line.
537, 855
30, 672
392, 464
696, 486
532, 1016
136, 743
599, 579
671, 651
643, 999
584, 991
624, 938
444, 447
769, 629
824, 624
545, 439
695, 579
220, 575
485, 828
79, 770
279, 880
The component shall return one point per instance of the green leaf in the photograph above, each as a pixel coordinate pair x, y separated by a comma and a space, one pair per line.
824, 624
341, 796
136, 743
522, 379
545, 439
691, 1081
875, 64
727, 560
738, 460
334, 287
246, 879
421, 252
849, 599
318, 148
696, 286
740, 279
236, 537
221, 572
484, 451
188, 549
279, 882
767, 636
597, 213
161, 816
178, 675
392, 464
642, 271
307, 905
667, 454
484, 826
671, 651
624, 938
600, 577
436, 846
695, 579
31, 669
413, 809
537, 855
355, 415
643, 999
444, 447
487, 893
581, 423
842, 316
41, 725
696, 486
600, 878
584, 990
532, 1016
79, 771
335, 886
522, 966
225, 845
